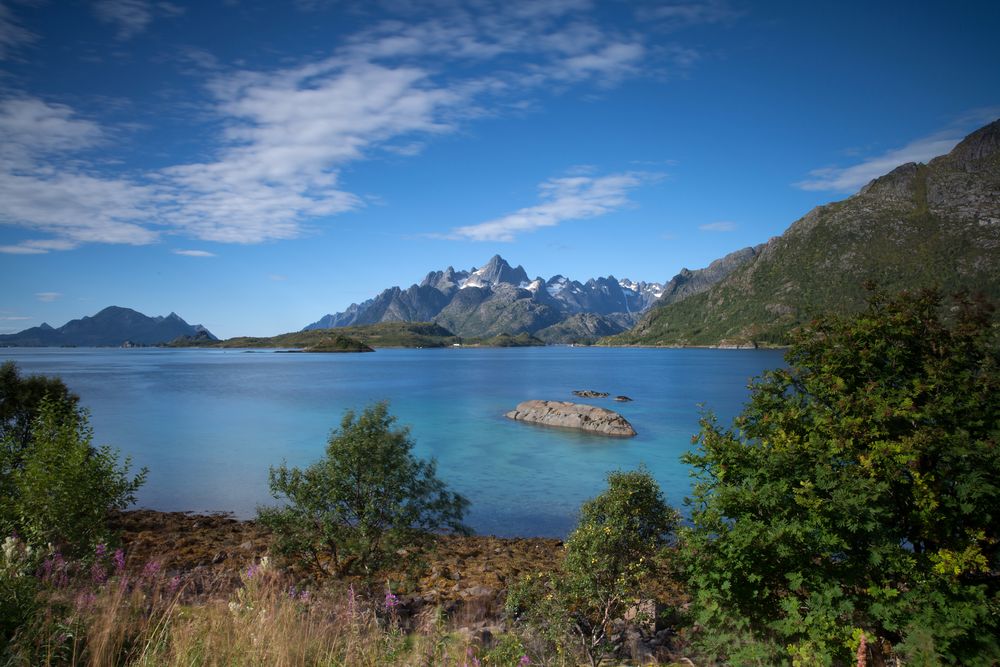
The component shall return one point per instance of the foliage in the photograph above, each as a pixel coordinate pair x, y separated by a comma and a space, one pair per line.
18, 588
366, 499
613, 548
64, 487
858, 493
20, 398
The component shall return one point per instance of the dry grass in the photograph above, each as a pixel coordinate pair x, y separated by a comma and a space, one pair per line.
152, 619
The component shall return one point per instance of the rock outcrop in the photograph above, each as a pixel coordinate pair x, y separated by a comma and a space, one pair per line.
573, 415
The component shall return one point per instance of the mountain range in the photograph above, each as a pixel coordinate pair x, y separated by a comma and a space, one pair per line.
112, 327
934, 225
498, 298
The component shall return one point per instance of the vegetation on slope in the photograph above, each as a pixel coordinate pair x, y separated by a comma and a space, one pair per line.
921, 226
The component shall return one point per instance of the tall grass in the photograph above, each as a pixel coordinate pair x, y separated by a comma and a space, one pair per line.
109, 616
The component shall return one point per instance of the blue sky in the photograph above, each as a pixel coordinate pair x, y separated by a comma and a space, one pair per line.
255, 165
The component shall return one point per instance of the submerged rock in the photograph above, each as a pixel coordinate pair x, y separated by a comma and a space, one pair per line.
573, 415
622, 399
590, 393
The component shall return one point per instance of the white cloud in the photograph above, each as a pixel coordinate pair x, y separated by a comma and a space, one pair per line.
275, 167
852, 178
567, 198
48, 297
65, 201
721, 226
194, 253
12, 34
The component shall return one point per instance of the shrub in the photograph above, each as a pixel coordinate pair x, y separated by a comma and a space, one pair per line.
858, 494
20, 398
367, 498
613, 549
64, 488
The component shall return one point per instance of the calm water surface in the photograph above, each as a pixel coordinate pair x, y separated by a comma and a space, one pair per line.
208, 423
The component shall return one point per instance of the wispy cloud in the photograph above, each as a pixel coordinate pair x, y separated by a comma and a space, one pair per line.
853, 177
567, 198
13, 35
48, 297
132, 17
687, 13
721, 226
274, 170
194, 253
58, 196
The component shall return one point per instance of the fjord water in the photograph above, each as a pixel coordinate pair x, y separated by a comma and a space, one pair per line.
208, 423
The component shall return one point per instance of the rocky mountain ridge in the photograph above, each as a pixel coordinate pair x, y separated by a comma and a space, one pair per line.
499, 298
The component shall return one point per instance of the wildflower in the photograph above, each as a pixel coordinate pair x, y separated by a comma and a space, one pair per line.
98, 574
85, 601
252, 571
119, 559
304, 597
101, 550
524, 661
174, 584
150, 571
391, 601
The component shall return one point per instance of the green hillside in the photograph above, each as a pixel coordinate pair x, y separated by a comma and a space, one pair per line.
934, 225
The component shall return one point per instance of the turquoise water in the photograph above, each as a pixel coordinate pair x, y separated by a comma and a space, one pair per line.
208, 423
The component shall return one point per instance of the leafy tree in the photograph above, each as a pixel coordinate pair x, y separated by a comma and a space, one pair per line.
20, 398
613, 549
368, 497
858, 493
64, 488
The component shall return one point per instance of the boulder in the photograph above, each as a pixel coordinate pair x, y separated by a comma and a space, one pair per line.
573, 415
590, 393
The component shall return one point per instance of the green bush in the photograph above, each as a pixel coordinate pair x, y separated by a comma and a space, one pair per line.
858, 493
366, 499
613, 550
20, 398
64, 488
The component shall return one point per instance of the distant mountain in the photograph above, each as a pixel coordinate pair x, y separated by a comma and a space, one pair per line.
500, 299
112, 327
921, 225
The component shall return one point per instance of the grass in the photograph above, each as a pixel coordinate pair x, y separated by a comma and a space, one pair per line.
100, 613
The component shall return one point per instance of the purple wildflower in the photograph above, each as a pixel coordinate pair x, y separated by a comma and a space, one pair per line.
119, 559
101, 550
98, 574
174, 584
524, 661
304, 596
252, 571
391, 601
85, 601
150, 571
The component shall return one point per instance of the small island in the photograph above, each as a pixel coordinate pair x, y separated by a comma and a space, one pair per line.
588, 418
362, 338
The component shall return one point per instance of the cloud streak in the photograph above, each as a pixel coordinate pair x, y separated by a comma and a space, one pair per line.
721, 226
853, 177
194, 253
563, 199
